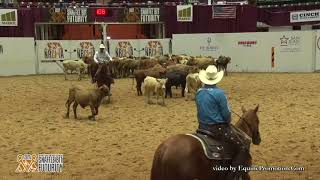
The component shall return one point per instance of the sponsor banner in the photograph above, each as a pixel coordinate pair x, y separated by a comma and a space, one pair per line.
150, 14
85, 49
185, 13
50, 53
305, 16
77, 15
58, 15
141, 47
210, 46
291, 51
247, 43
290, 43
8, 17
135, 14
39, 163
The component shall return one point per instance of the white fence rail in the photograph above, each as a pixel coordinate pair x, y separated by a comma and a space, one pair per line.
292, 51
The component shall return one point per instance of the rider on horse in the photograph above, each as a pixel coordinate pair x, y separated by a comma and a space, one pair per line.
101, 57
214, 115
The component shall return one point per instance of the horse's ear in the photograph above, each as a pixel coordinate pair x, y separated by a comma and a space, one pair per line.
257, 108
243, 109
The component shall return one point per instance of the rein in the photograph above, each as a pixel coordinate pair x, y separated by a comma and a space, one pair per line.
250, 130
243, 119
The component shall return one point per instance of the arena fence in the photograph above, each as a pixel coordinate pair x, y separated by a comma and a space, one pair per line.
317, 65
292, 51
17, 56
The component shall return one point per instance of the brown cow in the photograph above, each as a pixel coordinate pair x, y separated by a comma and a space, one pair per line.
157, 72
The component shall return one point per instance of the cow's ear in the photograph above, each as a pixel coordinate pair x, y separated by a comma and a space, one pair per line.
257, 108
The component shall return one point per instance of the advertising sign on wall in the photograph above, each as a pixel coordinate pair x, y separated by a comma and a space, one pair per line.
150, 14
153, 48
141, 47
54, 51
77, 15
290, 43
8, 17
185, 13
124, 49
305, 16
86, 49
276, 52
209, 46
247, 43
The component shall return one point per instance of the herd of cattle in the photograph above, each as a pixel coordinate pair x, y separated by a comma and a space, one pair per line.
158, 74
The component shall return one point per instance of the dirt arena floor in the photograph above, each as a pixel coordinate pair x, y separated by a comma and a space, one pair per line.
120, 144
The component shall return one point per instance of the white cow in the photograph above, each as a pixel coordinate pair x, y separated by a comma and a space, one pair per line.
193, 83
73, 65
153, 85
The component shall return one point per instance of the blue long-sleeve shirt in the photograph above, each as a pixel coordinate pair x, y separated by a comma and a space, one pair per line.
212, 106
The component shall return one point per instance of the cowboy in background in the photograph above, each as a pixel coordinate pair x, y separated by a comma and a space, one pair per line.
214, 115
101, 57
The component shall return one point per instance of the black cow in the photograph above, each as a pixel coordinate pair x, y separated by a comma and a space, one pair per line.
177, 78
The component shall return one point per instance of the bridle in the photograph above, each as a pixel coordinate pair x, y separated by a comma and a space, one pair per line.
244, 120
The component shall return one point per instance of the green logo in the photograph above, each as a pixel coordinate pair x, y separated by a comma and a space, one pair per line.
184, 14
9, 18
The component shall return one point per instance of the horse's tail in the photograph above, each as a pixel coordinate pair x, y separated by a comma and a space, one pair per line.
158, 170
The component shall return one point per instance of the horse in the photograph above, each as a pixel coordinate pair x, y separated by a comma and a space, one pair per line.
182, 157
105, 76
222, 64
89, 61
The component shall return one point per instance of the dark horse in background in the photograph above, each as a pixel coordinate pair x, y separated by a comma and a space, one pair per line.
222, 64
104, 77
182, 157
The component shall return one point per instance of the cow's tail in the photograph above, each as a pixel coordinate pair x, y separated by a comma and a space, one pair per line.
132, 76
71, 97
158, 170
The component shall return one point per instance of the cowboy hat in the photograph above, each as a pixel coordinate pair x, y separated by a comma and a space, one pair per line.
102, 46
211, 75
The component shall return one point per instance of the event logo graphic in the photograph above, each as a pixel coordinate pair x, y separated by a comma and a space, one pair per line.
77, 15
295, 17
86, 49
41, 163
1, 49
150, 14
53, 50
284, 41
184, 13
9, 18
26, 163
58, 15
124, 49
290, 44
132, 14
154, 48
209, 47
